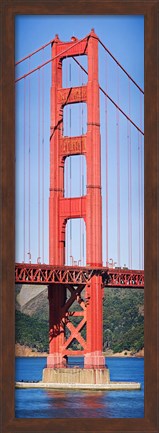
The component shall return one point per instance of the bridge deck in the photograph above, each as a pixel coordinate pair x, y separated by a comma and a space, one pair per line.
26, 273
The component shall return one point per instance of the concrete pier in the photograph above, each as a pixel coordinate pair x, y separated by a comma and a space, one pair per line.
78, 379
111, 386
76, 375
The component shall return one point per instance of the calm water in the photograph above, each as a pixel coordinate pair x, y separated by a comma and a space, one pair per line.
39, 403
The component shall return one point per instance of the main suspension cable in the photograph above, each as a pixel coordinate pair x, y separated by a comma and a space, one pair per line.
113, 102
120, 66
51, 60
102, 90
34, 52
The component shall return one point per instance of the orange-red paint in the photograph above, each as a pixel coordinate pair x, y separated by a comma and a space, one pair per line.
88, 207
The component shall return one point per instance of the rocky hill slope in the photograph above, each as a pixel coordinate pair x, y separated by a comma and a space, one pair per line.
32, 300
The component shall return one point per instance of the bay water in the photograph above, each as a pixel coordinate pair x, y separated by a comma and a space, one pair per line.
41, 403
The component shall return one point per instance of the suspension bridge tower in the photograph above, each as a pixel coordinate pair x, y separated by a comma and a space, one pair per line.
88, 295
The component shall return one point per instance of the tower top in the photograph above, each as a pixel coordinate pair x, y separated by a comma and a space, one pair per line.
74, 38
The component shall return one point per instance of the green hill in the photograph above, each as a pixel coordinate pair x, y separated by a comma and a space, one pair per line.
123, 321
31, 332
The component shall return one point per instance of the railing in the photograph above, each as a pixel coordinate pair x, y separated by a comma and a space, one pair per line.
26, 273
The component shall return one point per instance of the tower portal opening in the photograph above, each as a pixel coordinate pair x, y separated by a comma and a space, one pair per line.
75, 119
72, 74
75, 176
75, 242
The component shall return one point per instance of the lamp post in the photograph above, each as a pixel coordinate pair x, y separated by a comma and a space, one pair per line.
72, 259
29, 254
112, 264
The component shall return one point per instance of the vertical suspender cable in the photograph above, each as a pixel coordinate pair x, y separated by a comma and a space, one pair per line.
66, 165
29, 249
80, 124
142, 205
39, 173
118, 174
142, 208
142, 193
70, 167
82, 184
139, 198
43, 162
80, 252
106, 174
24, 176
129, 188
81, 168
128, 144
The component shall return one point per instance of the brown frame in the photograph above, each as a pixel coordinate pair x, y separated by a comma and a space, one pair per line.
150, 9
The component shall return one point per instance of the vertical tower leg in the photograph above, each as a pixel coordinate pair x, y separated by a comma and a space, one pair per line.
57, 298
94, 358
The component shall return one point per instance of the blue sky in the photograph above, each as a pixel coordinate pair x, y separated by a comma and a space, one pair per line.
124, 37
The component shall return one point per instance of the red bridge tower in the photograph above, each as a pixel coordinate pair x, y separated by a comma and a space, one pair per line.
88, 207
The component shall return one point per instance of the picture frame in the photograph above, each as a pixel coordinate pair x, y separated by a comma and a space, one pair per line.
10, 8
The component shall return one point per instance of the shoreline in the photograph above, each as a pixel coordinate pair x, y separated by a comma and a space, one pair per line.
25, 351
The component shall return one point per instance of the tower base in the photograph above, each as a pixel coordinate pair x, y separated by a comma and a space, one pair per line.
56, 360
76, 375
94, 360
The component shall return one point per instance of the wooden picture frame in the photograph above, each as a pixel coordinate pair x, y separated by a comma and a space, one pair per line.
10, 8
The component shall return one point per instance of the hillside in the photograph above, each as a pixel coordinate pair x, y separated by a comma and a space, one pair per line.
123, 319
32, 300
